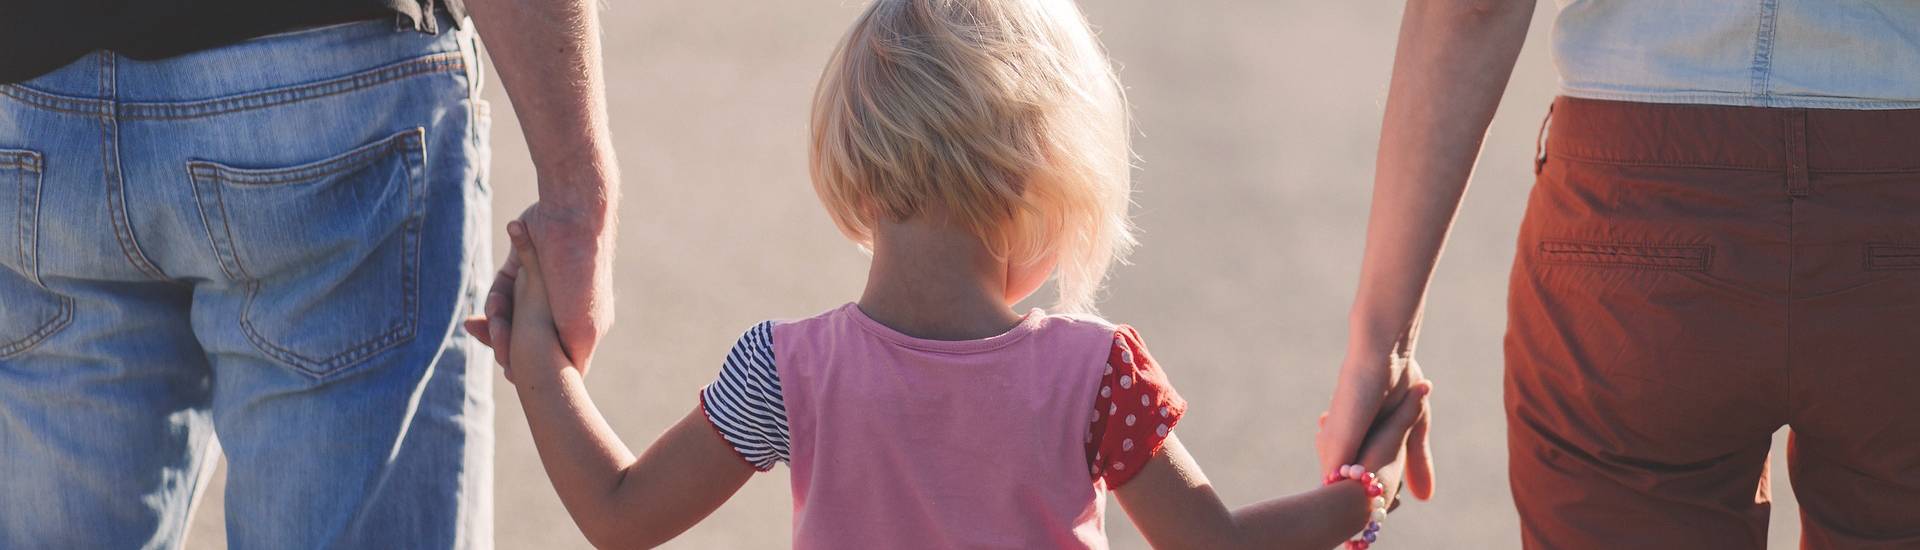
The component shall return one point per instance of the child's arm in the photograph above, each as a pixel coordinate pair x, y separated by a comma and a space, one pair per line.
1174, 505
616, 500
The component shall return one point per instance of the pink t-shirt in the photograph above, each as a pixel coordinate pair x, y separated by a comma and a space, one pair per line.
1004, 442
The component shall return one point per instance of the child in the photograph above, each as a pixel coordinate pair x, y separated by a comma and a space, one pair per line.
975, 147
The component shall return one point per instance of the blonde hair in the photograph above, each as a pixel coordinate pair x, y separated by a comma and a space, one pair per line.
1003, 115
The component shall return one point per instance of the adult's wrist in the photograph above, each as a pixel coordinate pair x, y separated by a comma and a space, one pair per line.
1375, 341
573, 213
582, 190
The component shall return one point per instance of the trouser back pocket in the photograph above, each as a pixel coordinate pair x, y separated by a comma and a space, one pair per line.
327, 252
29, 313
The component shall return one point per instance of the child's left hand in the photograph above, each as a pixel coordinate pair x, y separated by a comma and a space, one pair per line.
1384, 452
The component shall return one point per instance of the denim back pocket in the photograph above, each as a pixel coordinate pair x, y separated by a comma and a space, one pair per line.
29, 313
328, 253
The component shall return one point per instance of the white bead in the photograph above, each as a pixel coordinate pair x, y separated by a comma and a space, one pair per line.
1380, 515
1378, 503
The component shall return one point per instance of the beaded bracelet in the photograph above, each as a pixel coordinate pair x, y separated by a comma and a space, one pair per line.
1377, 502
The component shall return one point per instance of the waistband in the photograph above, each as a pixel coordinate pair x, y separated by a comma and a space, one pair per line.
1732, 137
379, 50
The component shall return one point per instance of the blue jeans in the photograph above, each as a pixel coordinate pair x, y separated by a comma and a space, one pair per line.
273, 242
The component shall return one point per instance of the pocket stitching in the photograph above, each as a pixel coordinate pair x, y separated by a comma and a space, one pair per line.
28, 163
60, 320
425, 65
1878, 257
411, 145
1646, 256
355, 159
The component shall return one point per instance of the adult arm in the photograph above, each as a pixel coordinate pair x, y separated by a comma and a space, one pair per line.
1451, 67
547, 53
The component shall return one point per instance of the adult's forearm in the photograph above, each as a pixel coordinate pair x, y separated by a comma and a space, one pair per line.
547, 53
1451, 67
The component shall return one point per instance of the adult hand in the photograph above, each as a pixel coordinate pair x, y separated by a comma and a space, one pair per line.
1367, 382
1449, 70
576, 256
547, 53
1385, 451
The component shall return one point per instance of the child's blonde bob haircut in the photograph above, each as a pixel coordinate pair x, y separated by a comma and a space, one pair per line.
1002, 115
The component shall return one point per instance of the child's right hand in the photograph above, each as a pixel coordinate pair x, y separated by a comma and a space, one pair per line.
1385, 450
535, 341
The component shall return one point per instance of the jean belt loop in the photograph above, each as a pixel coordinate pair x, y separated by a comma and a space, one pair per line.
1798, 184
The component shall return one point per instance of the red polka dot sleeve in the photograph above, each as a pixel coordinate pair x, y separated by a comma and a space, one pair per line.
1134, 411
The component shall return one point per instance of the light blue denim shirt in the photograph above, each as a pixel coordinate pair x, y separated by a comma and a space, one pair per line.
1832, 54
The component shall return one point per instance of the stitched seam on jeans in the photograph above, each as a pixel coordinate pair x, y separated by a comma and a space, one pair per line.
114, 178
1891, 256
437, 63
26, 164
1665, 257
410, 140
332, 364
21, 225
53, 102
22, 159
233, 272
59, 321
319, 368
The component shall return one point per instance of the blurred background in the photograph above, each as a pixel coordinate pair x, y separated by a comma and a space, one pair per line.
1256, 126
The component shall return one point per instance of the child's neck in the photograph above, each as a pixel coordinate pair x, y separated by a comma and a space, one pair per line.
935, 281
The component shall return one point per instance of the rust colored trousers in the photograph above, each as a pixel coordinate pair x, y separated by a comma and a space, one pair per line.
1691, 278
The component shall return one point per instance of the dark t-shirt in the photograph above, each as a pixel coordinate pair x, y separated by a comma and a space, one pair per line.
38, 36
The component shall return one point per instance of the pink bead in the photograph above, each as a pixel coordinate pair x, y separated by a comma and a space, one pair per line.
1357, 544
1374, 490
1359, 470
1333, 478
1366, 477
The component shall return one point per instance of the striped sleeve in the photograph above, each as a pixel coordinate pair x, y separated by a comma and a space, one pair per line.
744, 403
